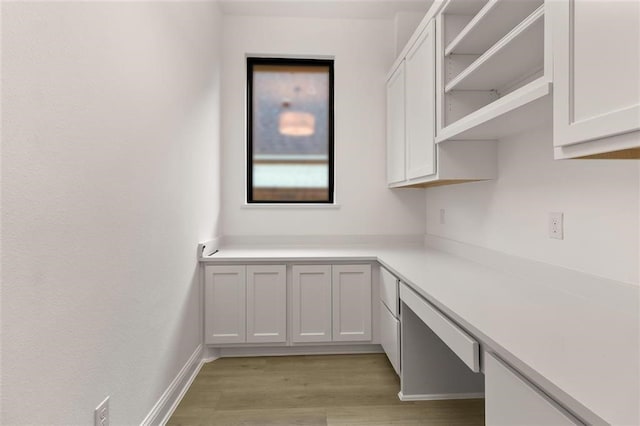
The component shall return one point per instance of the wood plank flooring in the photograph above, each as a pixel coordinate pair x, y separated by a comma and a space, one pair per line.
312, 390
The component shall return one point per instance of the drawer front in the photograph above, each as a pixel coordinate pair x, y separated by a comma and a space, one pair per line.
463, 345
389, 291
390, 336
511, 401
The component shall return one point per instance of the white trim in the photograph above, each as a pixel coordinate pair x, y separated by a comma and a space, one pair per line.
290, 206
438, 396
171, 397
231, 352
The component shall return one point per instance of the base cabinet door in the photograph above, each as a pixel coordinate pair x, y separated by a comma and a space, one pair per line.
225, 304
511, 401
311, 303
390, 336
266, 303
351, 302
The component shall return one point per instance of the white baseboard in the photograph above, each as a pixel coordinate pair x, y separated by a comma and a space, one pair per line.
439, 396
170, 398
297, 350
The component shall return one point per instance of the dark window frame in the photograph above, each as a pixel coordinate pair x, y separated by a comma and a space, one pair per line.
251, 61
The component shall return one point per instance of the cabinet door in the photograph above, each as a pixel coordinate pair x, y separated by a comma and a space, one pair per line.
596, 63
420, 105
351, 303
266, 304
390, 336
396, 126
225, 305
511, 401
311, 304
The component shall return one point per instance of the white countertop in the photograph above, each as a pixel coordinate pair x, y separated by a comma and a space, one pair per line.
582, 348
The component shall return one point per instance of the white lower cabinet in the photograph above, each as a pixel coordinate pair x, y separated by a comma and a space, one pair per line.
331, 303
511, 401
245, 304
311, 304
390, 336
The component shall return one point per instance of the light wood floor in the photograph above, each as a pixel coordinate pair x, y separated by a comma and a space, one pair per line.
312, 390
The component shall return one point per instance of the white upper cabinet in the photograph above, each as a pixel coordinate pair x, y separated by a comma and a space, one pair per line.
266, 303
351, 293
596, 71
396, 126
420, 105
225, 303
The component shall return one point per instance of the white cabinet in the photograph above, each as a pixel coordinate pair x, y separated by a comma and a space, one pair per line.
266, 303
511, 401
245, 304
225, 304
311, 304
390, 336
331, 303
351, 294
413, 158
420, 105
596, 69
396, 126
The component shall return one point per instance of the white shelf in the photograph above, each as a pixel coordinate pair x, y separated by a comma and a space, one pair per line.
522, 109
466, 7
492, 22
505, 63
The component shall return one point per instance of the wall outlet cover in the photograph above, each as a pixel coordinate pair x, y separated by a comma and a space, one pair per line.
556, 226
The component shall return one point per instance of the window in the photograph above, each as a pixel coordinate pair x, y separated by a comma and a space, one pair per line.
289, 130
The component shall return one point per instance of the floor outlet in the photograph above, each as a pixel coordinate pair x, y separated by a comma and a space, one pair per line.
101, 414
556, 226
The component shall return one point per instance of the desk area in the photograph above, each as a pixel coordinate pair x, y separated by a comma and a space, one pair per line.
574, 338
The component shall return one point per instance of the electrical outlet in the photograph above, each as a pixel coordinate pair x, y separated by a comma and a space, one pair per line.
101, 413
556, 226
442, 218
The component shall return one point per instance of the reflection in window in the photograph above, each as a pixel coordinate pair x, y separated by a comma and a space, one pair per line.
290, 131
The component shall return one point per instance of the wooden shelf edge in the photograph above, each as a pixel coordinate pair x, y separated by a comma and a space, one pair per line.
514, 100
496, 48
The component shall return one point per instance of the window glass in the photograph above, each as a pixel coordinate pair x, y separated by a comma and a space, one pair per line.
290, 132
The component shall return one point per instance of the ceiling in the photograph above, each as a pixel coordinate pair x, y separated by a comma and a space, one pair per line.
352, 9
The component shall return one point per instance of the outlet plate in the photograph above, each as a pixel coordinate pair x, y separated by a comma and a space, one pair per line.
101, 413
556, 226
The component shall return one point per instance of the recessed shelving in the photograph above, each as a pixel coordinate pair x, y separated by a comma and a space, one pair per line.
518, 54
490, 24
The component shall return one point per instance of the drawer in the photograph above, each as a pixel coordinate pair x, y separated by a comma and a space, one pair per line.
390, 336
389, 291
510, 400
463, 345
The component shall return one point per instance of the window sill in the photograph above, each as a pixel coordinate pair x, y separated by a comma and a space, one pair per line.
292, 206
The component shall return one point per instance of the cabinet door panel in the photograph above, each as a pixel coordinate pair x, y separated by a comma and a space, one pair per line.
266, 303
225, 304
420, 105
390, 336
311, 304
396, 126
511, 401
596, 63
351, 303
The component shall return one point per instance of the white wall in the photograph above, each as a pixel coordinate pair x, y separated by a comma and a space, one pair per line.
599, 199
110, 177
363, 51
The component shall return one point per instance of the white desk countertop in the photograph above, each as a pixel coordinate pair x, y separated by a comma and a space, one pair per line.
580, 347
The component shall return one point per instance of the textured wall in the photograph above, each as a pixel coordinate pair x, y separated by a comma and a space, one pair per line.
363, 51
110, 177
599, 199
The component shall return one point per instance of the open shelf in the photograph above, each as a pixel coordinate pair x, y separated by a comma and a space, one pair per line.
524, 108
504, 63
490, 24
